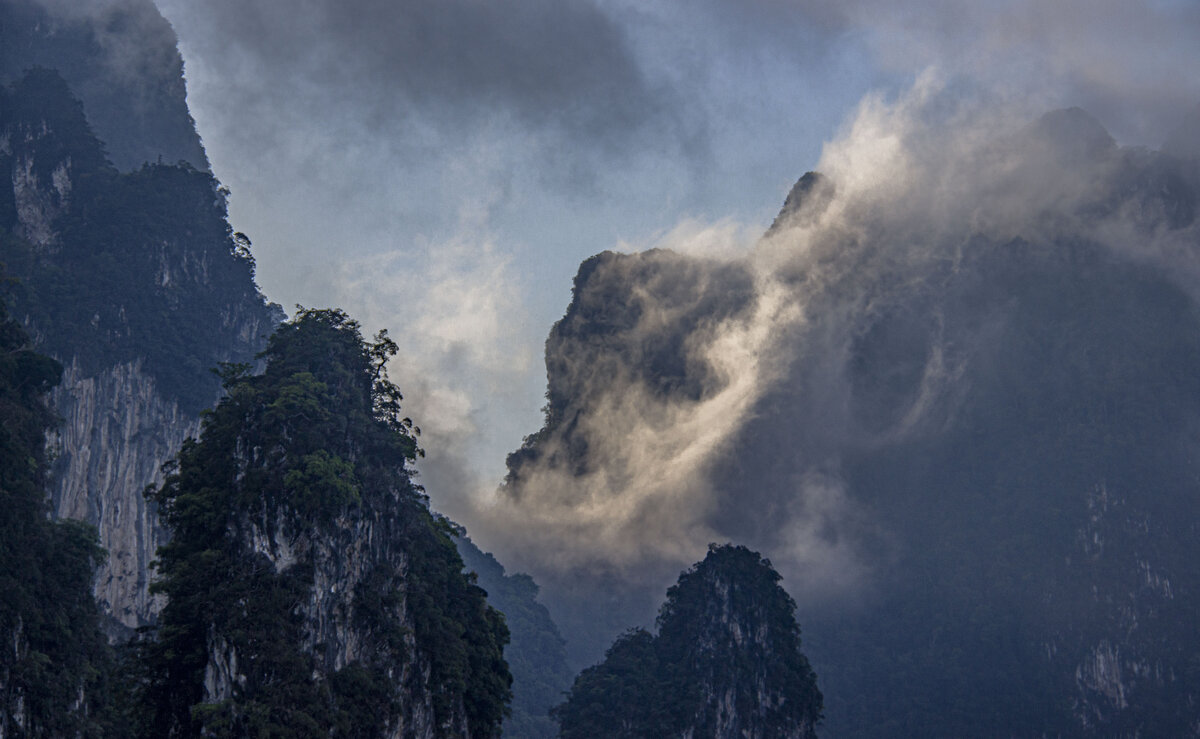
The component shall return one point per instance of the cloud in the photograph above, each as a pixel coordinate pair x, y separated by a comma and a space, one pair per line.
557, 68
644, 494
1127, 64
466, 351
697, 399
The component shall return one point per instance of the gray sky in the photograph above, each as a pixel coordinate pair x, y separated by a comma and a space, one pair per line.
441, 168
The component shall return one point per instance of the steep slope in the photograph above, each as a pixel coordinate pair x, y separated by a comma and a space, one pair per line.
55, 663
967, 435
309, 589
536, 653
120, 58
726, 663
136, 285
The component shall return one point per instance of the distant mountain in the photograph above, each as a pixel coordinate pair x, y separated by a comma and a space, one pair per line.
726, 663
536, 653
120, 58
958, 409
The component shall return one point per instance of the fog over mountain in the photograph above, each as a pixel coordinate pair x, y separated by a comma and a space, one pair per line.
447, 166
948, 390
951, 392
909, 199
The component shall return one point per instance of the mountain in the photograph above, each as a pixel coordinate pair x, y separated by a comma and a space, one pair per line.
120, 58
130, 275
954, 399
135, 283
536, 653
726, 662
55, 664
309, 589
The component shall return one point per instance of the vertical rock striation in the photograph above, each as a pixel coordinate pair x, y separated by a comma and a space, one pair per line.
116, 432
134, 282
308, 586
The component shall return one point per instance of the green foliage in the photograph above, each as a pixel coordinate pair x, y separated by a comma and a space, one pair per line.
726, 660
55, 666
143, 266
465, 637
303, 453
322, 484
536, 654
622, 697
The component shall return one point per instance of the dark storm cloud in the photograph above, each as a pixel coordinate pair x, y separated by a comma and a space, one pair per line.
547, 64
1130, 64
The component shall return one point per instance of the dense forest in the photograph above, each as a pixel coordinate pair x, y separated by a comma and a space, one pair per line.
305, 566
726, 662
55, 667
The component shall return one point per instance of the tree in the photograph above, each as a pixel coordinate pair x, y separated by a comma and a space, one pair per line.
726, 663
309, 589
55, 664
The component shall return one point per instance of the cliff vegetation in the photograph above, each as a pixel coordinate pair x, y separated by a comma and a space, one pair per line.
726, 663
309, 589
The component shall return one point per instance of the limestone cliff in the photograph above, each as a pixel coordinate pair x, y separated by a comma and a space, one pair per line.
120, 58
134, 283
54, 661
308, 586
116, 432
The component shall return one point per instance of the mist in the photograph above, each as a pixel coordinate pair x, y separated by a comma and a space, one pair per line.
361, 141
442, 171
734, 391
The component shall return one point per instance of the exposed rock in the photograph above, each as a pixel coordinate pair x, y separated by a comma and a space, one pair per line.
117, 431
305, 571
131, 281
725, 664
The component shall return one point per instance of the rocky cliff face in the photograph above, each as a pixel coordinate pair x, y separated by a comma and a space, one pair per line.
968, 440
117, 431
354, 554
133, 282
730, 630
726, 663
308, 586
121, 60
54, 662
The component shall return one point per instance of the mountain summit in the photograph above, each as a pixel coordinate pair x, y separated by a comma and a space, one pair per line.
726, 663
953, 393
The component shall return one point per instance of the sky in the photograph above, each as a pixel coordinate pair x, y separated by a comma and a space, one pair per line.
441, 168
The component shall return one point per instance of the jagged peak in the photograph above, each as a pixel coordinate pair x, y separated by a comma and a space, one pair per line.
807, 198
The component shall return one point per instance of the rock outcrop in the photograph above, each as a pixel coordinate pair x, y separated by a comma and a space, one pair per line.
967, 440
120, 58
308, 586
726, 663
134, 283
116, 432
